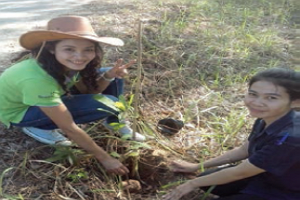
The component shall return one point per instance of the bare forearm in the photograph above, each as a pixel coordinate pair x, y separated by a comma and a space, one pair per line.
226, 158
63, 119
231, 156
217, 178
241, 171
81, 138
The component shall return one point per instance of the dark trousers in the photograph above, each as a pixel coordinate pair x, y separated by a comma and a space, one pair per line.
230, 191
241, 197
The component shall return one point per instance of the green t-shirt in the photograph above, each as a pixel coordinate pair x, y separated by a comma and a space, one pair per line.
23, 85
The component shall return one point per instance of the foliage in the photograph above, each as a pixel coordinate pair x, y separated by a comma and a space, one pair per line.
77, 175
62, 154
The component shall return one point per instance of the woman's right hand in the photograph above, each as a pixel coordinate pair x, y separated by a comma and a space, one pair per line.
183, 166
114, 166
179, 191
61, 116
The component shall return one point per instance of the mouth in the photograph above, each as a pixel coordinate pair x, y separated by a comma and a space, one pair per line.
78, 62
255, 110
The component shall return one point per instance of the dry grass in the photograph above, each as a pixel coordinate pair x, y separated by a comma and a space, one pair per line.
197, 58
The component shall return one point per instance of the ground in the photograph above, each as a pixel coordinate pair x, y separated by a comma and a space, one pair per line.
197, 57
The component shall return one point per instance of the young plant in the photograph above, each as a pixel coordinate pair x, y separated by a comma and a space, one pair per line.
63, 154
77, 175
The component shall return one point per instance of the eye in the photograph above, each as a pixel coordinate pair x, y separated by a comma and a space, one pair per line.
69, 49
252, 94
90, 50
271, 98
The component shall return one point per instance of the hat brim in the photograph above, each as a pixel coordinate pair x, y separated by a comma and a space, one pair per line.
34, 39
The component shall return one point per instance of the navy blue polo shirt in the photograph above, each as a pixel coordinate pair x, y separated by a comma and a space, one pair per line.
275, 149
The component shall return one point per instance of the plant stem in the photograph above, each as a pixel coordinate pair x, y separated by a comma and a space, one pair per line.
138, 82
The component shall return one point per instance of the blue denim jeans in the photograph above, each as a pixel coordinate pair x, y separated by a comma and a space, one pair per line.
83, 108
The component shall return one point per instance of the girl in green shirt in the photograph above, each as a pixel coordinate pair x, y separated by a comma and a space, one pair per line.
56, 88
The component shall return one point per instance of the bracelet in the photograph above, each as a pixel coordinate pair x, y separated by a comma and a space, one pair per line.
107, 79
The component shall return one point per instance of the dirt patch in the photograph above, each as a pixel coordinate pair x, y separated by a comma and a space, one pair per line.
83, 176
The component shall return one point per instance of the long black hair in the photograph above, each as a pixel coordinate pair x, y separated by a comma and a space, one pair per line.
55, 69
286, 78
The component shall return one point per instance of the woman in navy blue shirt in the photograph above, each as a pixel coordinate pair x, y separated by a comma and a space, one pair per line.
270, 158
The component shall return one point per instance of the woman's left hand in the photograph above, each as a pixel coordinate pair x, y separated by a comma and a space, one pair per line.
119, 70
179, 191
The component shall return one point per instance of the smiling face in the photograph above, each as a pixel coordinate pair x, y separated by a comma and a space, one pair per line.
74, 54
267, 101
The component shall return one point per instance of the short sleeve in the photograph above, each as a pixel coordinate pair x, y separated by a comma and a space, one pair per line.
37, 92
276, 159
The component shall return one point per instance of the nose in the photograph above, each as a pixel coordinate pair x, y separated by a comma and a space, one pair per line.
257, 101
79, 54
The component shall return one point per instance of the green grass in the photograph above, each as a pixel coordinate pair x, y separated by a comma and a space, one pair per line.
197, 58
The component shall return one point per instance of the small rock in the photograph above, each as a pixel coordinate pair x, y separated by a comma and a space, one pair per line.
132, 185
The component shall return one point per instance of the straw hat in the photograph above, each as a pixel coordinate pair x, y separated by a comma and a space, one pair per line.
70, 27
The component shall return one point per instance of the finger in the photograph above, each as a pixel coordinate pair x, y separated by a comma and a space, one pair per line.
121, 172
128, 64
122, 73
168, 196
118, 172
110, 171
178, 170
174, 195
115, 171
125, 169
119, 62
175, 165
177, 161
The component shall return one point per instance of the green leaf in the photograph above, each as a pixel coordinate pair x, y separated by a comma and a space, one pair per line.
115, 154
71, 161
122, 99
116, 126
172, 184
106, 111
120, 105
126, 137
106, 101
133, 154
137, 145
131, 100
56, 158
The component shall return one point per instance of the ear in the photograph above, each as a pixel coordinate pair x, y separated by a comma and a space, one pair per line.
296, 103
52, 52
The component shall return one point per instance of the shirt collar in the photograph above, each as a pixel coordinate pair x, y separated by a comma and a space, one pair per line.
281, 123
